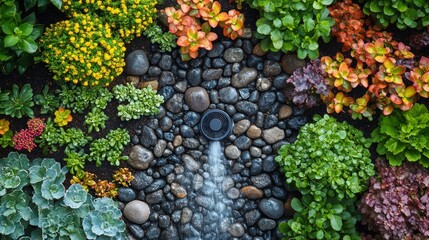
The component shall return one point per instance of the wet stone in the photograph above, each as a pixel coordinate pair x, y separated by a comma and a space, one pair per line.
153, 232
252, 217
155, 197
166, 79
197, 99
244, 77
247, 108
241, 127
159, 148
266, 224
170, 233
126, 194
243, 142
228, 95
156, 185
140, 157
236, 230
137, 63
233, 55
272, 207
297, 122
166, 169
269, 164
256, 167
279, 82
165, 62
252, 192
175, 104
216, 51
272, 68
178, 190
136, 231
212, 74
261, 180
137, 211
191, 118
266, 101
194, 76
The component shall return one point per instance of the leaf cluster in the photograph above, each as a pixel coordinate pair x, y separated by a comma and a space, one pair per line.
330, 219
52, 212
110, 147
420, 40
140, 102
396, 204
54, 137
192, 21
17, 38
47, 101
405, 14
329, 164
293, 25
165, 40
96, 120
404, 136
349, 23
308, 83
17, 103
329, 158
79, 99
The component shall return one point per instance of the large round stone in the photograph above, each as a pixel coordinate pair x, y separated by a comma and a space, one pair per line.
197, 99
137, 63
273, 135
244, 77
140, 157
137, 211
291, 62
272, 207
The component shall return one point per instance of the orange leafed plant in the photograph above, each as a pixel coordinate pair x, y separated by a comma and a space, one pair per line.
185, 23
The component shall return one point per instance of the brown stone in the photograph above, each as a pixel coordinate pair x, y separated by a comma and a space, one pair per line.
252, 192
273, 135
134, 80
178, 190
241, 127
257, 50
285, 111
153, 83
254, 132
291, 62
197, 99
177, 141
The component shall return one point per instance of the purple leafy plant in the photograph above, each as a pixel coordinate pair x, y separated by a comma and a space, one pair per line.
420, 40
306, 84
397, 202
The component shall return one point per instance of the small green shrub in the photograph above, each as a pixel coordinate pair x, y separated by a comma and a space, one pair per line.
82, 50
293, 25
404, 136
75, 162
17, 103
165, 40
52, 212
329, 219
141, 102
96, 120
404, 13
79, 99
47, 101
329, 158
54, 137
109, 148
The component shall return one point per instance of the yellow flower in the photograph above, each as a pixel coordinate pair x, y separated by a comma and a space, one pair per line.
4, 126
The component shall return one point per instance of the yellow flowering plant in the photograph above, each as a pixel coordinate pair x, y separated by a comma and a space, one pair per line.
4, 126
83, 50
127, 18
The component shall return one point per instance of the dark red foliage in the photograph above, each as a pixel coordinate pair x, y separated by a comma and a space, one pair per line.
420, 40
397, 202
307, 84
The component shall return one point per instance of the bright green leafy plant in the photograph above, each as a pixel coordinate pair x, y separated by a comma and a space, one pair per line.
17, 38
141, 102
411, 14
165, 40
109, 148
404, 136
293, 25
75, 162
79, 99
17, 103
329, 158
330, 219
63, 117
47, 101
96, 120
